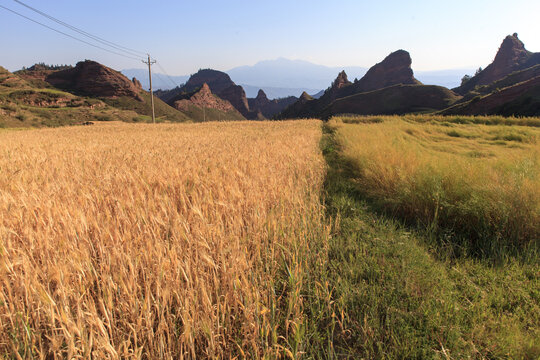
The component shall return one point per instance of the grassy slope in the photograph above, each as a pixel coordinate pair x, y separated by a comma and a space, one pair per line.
399, 99
163, 111
17, 109
521, 99
510, 80
391, 297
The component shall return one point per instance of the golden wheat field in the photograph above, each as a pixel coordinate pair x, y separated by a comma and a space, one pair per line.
165, 241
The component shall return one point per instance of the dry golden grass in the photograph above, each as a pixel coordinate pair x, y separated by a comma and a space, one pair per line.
481, 181
167, 241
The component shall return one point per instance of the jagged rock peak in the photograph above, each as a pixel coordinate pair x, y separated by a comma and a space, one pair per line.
204, 98
261, 96
205, 89
398, 57
511, 51
394, 69
137, 83
341, 80
305, 97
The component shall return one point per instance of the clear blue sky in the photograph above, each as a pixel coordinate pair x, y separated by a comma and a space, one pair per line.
187, 35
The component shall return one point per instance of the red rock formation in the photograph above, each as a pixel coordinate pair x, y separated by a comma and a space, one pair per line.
512, 56
93, 79
220, 84
137, 83
394, 69
236, 95
204, 98
305, 97
218, 81
341, 81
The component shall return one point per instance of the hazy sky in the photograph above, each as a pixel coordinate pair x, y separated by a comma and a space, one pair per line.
187, 35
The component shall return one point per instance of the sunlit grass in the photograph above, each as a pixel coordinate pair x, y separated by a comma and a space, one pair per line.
166, 241
475, 180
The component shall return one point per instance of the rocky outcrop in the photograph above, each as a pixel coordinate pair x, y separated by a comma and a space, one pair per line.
305, 97
260, 101
394, 69
137, 83
236, 95
403, 93
203, 99
90, 78
337, 88
269, 108
512, 56
218, 81
220, 84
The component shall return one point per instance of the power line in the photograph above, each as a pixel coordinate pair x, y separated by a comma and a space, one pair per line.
162, 79
68, 35
84, 33
170, 78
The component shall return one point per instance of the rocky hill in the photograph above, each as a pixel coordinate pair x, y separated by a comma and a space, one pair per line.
521, 99
25, 104
396, 99
88, 84
90, 78
512, 56
269, 108
203, 105
395, 69
219, 83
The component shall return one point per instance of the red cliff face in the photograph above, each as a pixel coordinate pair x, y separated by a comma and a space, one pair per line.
93, 79
394, 69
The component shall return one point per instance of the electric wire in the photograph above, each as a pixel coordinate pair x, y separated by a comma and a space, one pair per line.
158, 75
68, 35
115, 46
165, 72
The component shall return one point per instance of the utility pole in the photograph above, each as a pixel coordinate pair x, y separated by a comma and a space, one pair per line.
150, 63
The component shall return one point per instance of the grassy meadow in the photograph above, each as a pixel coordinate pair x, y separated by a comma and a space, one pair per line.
474, 181
416, 201
166, 241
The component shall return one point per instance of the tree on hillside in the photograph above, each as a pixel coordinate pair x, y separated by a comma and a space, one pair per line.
465, 79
